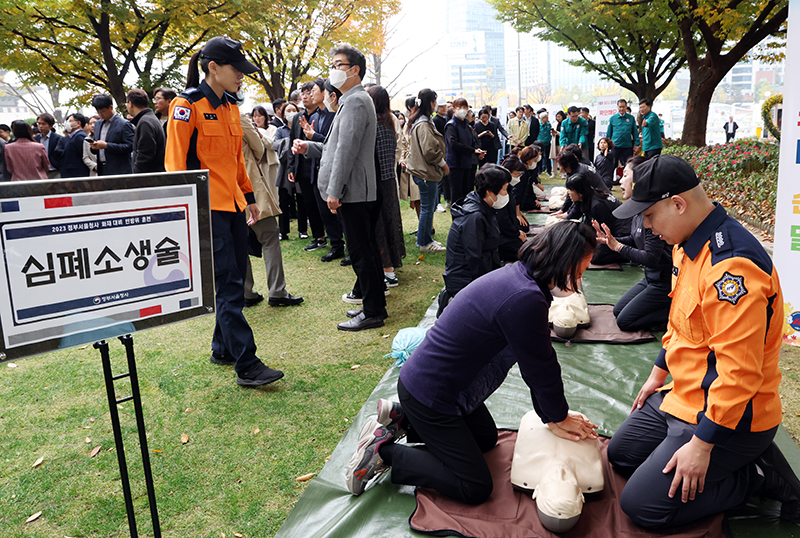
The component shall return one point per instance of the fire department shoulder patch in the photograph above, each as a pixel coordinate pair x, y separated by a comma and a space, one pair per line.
730, 288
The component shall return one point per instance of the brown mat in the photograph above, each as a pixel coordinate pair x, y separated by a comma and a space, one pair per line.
603, 330
512, 514
544, 209
609, 267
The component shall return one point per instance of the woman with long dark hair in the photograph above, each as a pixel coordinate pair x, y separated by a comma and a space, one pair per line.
389, 228
204, 131
598, 204
487, 134
513, 224
497, 321
25, 158
426, 163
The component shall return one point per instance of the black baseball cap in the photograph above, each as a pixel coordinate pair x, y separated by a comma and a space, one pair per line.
656, 179
229, 51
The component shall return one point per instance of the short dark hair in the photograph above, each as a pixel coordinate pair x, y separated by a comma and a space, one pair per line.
307, 86
528, 107
567, 159
411, 102
646, 101
333, 89
622, 101
460, 101
635, 161
555, 255
80, 117
102, 101
167, 93
4, 127
494, 111
609, 142
572, 109
47, 118
576, 150
21, 129
491, 177
519, 108
513, 163
485, 110
138, 98
319, 83
585, 109
354, 57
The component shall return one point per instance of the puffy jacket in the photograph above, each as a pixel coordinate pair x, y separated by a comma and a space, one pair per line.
426, 151
472, 242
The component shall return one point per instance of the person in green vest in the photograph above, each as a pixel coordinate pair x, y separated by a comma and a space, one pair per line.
574, 129
651, 129
622, 130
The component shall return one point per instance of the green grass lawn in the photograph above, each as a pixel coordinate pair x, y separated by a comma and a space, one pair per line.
246, 447
237, 473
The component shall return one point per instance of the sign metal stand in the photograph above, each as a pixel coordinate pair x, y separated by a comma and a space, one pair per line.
113, 402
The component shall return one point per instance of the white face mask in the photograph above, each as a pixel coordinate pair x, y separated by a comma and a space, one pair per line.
289, 117
532, 166
338, 77
514, 180
500, 203
461, 113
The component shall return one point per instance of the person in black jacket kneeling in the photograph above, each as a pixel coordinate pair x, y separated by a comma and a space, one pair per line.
474, 235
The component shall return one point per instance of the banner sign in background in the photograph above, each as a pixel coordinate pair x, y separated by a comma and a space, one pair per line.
787, 211
102, 258
606, 107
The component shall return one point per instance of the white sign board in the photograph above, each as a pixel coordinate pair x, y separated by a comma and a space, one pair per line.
99, 262
606, 107
787, 218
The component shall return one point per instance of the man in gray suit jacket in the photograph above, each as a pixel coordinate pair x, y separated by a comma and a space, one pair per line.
347, 182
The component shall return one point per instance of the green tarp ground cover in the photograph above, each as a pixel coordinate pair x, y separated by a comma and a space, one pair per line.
600, 381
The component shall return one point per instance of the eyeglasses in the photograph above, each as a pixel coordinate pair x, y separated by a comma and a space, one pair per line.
338, 65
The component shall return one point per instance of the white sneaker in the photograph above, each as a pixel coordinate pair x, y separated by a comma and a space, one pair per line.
440, 208
433, 246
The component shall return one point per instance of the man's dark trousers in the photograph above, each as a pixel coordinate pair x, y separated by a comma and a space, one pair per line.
623, 154
332, 222
233, 337
358, 221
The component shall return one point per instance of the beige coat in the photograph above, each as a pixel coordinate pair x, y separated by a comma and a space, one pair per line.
265, 191
408, 189
426, 151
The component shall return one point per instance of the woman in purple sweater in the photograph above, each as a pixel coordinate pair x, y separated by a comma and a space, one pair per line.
496, 321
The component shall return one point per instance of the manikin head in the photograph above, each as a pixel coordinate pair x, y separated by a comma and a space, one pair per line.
558, 497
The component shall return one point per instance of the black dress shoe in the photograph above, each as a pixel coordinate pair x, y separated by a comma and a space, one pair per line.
316, 244
334, 254
226, 360
260, 374
360, 322
345, 261
355, 313
291, 300
780, 482
254, 301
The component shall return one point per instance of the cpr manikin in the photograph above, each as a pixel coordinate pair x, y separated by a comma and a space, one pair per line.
559, 472
568, 312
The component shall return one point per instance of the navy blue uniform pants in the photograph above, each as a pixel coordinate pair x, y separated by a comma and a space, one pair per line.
646, 442
358, 221
232, 334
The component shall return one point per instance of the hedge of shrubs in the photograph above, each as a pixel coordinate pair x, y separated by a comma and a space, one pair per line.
742, 175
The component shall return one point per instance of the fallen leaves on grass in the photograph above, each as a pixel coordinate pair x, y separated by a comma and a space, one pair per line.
355, 367
256, 431
184, 438
95, 451
38, 462
87, 440
34, 517
12, 364
238, 535
305, 477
